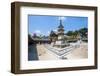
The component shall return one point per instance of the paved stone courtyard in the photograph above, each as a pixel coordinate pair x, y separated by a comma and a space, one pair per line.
47, 52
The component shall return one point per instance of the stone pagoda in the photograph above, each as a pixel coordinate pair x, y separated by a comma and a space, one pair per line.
61, 42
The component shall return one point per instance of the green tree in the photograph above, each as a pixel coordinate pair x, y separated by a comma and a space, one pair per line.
69, 33
83, 32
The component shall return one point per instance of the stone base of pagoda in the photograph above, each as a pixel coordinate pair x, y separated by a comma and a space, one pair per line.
61, 45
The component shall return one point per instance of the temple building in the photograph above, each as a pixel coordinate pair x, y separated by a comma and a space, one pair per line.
53, 37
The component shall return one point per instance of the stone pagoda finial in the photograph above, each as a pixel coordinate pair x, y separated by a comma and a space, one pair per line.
60, 26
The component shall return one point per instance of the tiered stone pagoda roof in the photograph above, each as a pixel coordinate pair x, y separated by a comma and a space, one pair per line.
61, 27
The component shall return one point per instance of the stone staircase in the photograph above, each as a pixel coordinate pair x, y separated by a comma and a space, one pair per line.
61, 52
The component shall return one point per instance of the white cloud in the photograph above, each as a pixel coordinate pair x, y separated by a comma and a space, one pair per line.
48, 32
55, 30
62, 18
37, 31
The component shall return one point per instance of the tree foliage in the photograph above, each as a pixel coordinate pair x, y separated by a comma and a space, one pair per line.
82, 32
